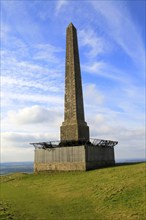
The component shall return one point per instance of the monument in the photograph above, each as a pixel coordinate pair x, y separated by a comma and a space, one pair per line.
74, 126
75, 150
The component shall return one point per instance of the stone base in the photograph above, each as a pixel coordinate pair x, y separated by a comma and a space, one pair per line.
74, 132
73, 158
59, 166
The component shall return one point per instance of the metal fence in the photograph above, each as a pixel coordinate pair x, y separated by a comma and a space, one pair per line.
90, 142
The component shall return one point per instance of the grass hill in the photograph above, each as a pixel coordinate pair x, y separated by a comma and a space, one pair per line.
116, 193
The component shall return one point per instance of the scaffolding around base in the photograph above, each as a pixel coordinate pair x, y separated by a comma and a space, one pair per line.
91, 142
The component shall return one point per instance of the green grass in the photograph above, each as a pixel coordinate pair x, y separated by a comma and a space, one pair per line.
116, 193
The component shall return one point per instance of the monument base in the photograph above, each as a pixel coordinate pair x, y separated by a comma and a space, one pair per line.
73, 158
74, 132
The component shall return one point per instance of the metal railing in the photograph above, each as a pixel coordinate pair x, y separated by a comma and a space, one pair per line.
90, 142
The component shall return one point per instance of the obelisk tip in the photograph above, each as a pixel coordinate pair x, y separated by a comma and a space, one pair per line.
71, 25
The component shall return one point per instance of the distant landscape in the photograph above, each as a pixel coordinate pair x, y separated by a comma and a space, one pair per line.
16, 167
27, 167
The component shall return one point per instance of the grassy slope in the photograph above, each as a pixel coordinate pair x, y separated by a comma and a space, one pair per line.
109, 193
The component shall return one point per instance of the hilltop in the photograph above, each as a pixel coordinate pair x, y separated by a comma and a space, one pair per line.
103, 194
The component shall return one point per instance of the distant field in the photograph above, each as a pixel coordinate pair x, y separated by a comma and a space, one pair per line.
116, 193
13, 167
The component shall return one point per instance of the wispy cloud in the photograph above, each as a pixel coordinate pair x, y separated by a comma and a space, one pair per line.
28, 74
18, 17
120, 27
59, 5
47, 52
27, 99
95, 45
106, 70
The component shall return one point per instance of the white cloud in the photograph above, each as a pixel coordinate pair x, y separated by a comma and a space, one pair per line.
92, 96
33, 119
17, 154
16, 146
131, 142
21, 139
34, 115
28, 125
59, 5
47, 52
96, 44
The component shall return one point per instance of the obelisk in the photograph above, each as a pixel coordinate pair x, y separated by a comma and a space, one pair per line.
74, 127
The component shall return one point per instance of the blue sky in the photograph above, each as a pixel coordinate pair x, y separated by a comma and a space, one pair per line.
111, 37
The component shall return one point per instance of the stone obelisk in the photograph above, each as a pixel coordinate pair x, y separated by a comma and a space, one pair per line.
74, 127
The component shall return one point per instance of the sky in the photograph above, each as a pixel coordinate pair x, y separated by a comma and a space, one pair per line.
111, 38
